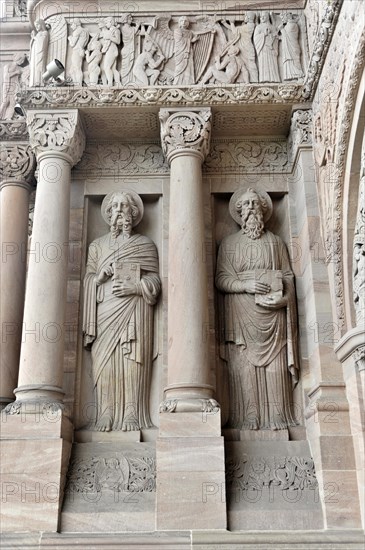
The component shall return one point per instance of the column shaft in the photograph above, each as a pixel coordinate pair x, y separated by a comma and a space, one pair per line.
14, 199
188, 374
41, 361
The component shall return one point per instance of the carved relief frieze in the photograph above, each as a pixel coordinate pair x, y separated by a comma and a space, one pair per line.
16, 161
15, 75
116, 473
61, 132
122, 158
247, 156
174, 50
294, 474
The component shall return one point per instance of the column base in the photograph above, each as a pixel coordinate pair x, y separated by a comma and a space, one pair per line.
36, 399
181, 404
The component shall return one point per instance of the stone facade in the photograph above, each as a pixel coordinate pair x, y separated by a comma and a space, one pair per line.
182, 274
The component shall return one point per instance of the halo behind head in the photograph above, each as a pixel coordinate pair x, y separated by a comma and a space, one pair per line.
136, 198
238, 194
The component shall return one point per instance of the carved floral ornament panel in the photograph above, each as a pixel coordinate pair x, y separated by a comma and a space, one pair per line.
167, 50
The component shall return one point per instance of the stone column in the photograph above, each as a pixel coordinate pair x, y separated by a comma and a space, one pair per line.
185, 141
58, 141
16, 170
190, 449
36, 434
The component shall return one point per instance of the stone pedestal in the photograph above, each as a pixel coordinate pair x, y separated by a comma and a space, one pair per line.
189, 451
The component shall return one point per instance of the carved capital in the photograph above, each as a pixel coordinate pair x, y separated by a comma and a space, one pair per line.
17, 162
185, 131
59, 132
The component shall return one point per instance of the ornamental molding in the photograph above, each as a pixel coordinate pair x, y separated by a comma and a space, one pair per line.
60, 132
333, 234
183, 131
17, 161
235, 94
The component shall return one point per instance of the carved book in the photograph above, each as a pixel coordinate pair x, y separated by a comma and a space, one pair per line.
272, 277
125, 272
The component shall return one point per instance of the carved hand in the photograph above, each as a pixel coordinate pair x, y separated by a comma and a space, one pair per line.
255, 287
104, 275
124, 289
272, 302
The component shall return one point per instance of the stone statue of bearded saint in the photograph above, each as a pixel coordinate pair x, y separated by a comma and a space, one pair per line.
259, 321
121, 286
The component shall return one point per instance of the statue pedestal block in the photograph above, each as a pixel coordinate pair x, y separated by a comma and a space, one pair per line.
232, 434
190, 473
34, 461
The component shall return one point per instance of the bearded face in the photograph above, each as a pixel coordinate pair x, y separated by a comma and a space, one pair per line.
121, 218
252, 216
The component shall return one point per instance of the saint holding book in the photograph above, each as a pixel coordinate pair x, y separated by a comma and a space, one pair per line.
121, 286
253, 272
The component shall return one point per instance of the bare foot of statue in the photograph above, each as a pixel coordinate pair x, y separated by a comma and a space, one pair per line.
104, 424
252, 424
130, 425
278, 424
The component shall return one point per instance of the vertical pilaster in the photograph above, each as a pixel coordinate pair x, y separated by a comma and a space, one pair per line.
327, 412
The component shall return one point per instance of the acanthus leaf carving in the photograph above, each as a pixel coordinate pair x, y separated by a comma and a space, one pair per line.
61, 132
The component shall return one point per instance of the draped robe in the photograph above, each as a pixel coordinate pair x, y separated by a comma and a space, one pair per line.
120, 330
261, 343
291, 51
266, 44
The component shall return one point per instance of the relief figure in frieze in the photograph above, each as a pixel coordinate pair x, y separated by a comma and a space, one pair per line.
121, 286
39, 42
259, 318
291, 52
78, 41
266, 40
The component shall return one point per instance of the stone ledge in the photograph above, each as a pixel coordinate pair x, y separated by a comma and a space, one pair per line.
195, 540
